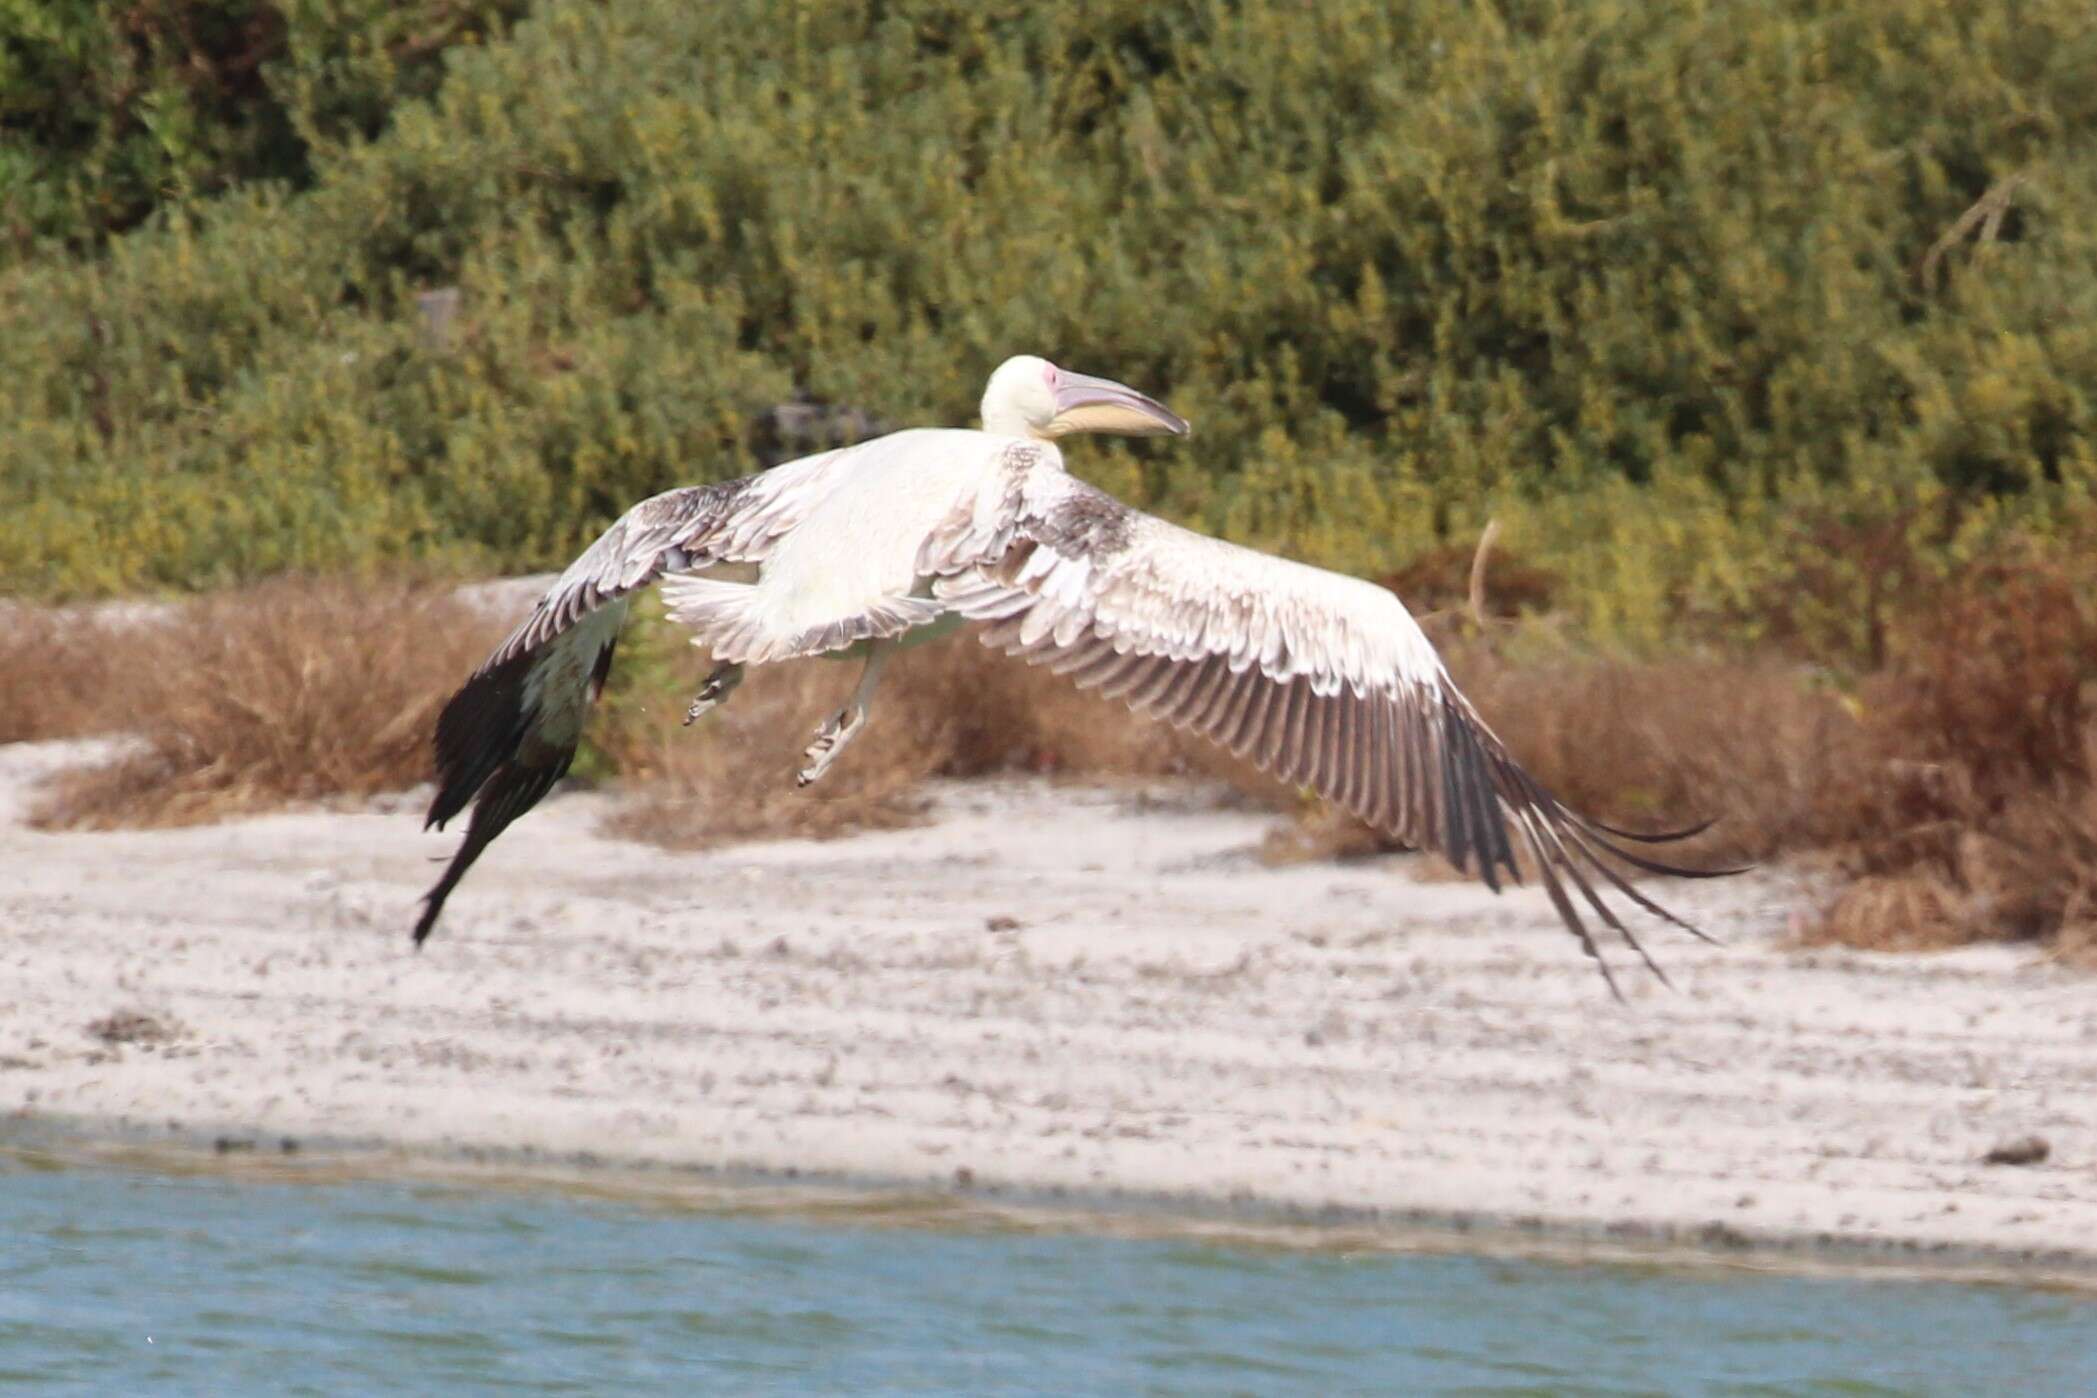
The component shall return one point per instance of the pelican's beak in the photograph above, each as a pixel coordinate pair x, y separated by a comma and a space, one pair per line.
1086, 404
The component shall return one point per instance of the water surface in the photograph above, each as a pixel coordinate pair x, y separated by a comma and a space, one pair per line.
112, 1279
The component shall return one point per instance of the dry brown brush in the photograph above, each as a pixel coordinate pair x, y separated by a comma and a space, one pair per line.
1750, 745
289, 691
1953, 784
1978, 819
947, 710
57, 673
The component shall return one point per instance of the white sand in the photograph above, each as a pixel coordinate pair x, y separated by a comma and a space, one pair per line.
1167, 1019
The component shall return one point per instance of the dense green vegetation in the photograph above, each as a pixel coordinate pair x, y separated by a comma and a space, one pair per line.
108, 110
1652, 281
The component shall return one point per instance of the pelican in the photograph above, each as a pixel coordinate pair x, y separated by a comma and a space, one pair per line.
1322, 679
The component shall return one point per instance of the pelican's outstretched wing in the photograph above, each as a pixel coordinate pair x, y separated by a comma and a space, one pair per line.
1320, 678
510, 732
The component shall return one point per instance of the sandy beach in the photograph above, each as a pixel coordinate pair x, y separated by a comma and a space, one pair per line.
1050, 990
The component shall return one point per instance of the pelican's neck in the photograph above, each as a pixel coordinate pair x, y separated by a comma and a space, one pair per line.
1004, 417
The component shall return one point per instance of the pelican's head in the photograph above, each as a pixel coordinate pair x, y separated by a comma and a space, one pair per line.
1030, 397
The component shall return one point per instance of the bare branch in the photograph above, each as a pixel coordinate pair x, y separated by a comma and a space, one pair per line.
1986, 214
1478, 560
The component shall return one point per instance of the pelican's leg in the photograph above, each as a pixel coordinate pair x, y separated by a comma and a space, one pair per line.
715, 691
844, 725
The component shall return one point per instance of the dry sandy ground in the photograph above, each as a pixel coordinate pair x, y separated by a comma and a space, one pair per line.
1051, 990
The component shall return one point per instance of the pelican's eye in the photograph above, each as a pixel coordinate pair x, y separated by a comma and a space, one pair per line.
1048, 375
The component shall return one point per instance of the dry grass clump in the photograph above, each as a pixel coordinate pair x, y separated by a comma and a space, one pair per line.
289, 691
2026, 873
57, 671
1979, 818
731, 776
1751, 745
952, 709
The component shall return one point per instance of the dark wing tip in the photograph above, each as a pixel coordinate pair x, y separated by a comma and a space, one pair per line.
1652, 837
432, 904
487, 754
1592, 832
1573, 849
515, 788
1476, 822
477, 732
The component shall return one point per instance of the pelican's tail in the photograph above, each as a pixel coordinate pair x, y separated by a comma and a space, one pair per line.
720, 614
731, 621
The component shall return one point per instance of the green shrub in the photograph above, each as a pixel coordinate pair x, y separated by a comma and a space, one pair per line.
107, 111
1643, 279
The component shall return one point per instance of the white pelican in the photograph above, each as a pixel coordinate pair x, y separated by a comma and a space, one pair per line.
1320, 678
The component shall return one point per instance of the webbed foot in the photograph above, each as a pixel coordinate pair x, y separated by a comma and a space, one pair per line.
830, 740
714, 692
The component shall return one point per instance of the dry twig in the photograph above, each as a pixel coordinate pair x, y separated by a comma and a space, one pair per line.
1986, 214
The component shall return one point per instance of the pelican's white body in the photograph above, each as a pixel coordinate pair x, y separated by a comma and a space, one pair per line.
848, 571
861, 544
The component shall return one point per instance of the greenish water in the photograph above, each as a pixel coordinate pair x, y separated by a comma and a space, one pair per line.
125, 1280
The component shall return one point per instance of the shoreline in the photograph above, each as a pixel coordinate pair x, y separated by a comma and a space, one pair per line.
1059, 995
868, 1202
